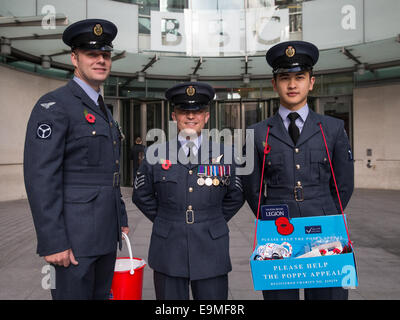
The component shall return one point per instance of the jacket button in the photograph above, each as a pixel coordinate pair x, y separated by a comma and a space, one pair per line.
299, 183
190, 171
296, 150
117, 161
93, 132
190, 189
115, 142
297, 166
190, 207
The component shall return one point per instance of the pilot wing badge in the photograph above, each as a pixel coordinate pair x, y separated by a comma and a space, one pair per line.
47, 105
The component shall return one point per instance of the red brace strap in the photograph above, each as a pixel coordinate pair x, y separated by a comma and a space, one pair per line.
337, 190
267, 149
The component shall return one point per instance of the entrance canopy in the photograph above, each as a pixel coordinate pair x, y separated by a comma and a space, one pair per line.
207, 42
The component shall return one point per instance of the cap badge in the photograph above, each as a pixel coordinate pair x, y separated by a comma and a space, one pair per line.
290, 51
190, 91
98, 30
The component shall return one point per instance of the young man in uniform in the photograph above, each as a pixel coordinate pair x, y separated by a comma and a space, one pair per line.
297, 171
189, 204
71, 170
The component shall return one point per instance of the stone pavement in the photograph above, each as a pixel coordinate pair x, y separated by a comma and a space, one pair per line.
374, 222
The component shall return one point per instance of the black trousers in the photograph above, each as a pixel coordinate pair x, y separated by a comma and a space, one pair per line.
174, 288
91, 279
309, 294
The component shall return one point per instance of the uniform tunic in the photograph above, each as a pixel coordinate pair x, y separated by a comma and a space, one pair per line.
300, 175
71, 171
190, 236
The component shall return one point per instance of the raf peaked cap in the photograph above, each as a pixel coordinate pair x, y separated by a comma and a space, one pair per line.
190, 95
90, 34
292, 56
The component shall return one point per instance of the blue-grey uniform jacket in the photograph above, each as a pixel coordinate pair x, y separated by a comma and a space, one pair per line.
300, 175
71, 171
190, 236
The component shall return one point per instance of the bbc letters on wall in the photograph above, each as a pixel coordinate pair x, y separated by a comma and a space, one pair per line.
302, 269
215, 32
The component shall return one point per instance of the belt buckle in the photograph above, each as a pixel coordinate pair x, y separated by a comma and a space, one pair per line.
297, 190
116, 178
191, 212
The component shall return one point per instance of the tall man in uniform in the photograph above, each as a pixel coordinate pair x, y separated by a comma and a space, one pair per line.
297, 170
71, 170
189, 204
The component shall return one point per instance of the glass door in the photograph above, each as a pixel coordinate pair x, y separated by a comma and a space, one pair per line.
339, 107
228, 116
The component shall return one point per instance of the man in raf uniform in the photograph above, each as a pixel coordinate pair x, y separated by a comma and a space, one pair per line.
189, 204
71, 170
297, 171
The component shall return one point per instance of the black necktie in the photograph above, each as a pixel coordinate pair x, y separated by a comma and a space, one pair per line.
102, 106
294, 131
191, 156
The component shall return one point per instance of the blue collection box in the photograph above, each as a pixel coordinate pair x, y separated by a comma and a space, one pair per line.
337, 270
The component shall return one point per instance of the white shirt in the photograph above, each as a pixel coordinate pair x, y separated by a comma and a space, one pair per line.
184, 141
303, 113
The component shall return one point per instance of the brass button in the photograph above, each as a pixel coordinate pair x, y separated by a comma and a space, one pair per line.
110, 123
115, 142
297, 166
190, 207
93, 132
299, 183
190, 189
296, 150
190, 171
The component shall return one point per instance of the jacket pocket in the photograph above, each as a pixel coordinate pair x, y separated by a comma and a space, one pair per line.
166, 185
274, 165
161, 228
94, 137
80, 195
320, 168
218, 230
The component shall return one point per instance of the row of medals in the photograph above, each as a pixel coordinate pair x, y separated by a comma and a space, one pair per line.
213, 179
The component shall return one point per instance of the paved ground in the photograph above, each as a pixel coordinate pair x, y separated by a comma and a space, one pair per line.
373, 216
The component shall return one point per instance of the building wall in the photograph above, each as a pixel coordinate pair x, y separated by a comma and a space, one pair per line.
19, 92
376, 127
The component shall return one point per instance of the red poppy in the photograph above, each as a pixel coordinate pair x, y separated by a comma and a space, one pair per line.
90, 118
166, 164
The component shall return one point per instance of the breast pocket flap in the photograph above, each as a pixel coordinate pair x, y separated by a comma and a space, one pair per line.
218, 230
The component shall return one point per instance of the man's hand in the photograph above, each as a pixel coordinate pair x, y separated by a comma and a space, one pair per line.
63, 258
125, 230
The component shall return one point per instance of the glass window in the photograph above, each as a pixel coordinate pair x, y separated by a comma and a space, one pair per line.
145, 6
216, 4
144, 25
173, 5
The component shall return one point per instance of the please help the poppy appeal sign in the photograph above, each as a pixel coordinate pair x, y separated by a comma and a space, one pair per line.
309, 252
